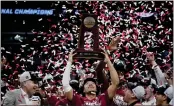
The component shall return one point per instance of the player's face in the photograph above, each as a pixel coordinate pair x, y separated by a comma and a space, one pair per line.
90, 86
127, 95
149, 93
159, 99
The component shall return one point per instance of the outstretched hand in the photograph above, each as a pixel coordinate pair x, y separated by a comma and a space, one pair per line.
150, 56
114, 43
70, 56
107, 59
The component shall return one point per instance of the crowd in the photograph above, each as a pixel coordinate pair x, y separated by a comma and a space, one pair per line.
143, 27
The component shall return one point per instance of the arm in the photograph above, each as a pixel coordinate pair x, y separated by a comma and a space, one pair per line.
114, 77
9, 99
99, 70
158, 72
101, 76
66, 78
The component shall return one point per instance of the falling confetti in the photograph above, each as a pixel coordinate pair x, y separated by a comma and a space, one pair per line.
143, 26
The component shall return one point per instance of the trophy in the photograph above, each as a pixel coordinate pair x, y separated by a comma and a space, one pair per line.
88, 44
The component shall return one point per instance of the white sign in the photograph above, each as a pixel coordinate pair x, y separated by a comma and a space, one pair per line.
27, 11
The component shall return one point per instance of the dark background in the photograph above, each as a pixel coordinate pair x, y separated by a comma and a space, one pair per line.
12, 25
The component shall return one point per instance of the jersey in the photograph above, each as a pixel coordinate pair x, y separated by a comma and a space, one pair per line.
101, 100
118, 101
118, 98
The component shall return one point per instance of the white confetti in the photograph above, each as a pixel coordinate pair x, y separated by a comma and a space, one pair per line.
23, 21
23, 45
170, 3
159, 21
69, 11
132, 43
54, 52
20, 40
160, 26
8, 52
40, 19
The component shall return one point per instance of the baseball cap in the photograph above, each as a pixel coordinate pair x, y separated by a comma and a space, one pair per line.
165, 90
138, 90
28, 76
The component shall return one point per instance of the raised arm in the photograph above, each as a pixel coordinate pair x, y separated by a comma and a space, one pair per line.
114, 77
101, 76
99, 70
158, 72
66, 78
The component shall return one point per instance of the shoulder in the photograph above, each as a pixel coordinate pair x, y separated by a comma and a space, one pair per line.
12, 93
104, 96
16, 91
76, 100
76, 96
9, 98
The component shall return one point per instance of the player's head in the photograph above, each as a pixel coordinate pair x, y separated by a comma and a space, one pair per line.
164, 95
150, 86
133, 91
89, 85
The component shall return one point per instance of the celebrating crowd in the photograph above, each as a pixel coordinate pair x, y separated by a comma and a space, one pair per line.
136, 38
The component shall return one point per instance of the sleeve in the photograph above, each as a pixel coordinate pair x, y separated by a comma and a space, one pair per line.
66, 78
9, 99
159, 75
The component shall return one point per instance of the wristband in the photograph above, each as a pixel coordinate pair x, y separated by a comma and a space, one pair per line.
67, 88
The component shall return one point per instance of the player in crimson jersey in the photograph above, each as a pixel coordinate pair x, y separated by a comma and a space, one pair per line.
90, 88
120, 66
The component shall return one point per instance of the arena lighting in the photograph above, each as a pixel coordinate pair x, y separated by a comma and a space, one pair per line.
27, 11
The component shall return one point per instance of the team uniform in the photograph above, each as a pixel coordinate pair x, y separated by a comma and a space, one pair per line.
54, 101
118, 98
100, 100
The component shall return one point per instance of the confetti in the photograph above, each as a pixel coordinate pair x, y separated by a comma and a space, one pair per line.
55, 37
40, 19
